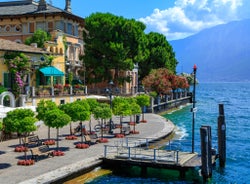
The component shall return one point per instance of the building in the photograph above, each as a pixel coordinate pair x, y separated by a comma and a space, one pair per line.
20, 19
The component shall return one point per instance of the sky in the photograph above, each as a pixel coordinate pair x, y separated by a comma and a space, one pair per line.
176, 19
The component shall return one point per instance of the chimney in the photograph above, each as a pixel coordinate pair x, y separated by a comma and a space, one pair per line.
68, 6
42, 5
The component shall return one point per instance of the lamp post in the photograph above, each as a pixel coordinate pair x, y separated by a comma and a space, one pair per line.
194, 109
109, 91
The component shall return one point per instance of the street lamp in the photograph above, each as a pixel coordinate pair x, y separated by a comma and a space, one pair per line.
109, 91
194, 109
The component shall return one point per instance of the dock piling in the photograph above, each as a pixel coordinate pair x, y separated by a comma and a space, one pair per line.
222, 136
206, 156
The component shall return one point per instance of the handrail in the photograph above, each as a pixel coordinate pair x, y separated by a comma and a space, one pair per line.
129, 153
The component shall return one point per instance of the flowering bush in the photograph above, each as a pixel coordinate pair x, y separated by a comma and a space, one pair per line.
58, 153
67, 85
50, 142
26, 162
82, 146
103, 140
71, 137
19, 65
58, 86
21, 149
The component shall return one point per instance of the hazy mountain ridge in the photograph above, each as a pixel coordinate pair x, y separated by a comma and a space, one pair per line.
221, 53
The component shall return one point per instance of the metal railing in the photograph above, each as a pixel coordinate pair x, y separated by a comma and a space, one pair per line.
140, 154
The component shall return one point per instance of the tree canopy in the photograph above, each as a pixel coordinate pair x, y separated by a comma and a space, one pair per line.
38, 37
14, 119
163, 81
112, 42
161, 55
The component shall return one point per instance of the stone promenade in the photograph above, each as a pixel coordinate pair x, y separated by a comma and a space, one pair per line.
50, 169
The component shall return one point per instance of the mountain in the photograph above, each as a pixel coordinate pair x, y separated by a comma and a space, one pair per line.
221, 53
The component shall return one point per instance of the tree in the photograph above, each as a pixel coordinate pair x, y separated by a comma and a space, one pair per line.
135, 109
38, 37
56, 118
161, 55
42, 107
121, 108
143, 100
159, 80
21, 121
112, 42
92, 104
102, 112
77, 110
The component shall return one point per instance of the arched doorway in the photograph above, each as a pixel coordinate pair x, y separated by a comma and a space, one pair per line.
10, 95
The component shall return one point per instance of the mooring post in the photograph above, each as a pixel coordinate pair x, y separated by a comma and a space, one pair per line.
222, 136
206, 156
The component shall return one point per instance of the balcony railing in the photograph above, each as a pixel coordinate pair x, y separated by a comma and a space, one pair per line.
50, 91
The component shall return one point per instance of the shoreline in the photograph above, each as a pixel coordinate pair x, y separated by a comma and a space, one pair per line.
51, 170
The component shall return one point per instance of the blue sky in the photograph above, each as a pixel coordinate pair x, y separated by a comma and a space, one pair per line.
175, 19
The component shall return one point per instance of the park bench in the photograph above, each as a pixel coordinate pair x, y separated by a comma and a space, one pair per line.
90, 139
126, 130
42, 150
32, 140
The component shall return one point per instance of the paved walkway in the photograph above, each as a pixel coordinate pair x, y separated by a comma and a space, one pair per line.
50, 169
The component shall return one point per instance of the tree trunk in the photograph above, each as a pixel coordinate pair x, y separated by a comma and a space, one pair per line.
57, 139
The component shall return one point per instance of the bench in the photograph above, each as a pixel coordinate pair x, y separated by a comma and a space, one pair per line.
31, 140
43, 150
90, 139
126, 130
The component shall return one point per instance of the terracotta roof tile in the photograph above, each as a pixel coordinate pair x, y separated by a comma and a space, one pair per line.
6, 45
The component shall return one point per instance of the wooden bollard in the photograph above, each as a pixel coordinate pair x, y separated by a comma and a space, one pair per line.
221, 136
206, 156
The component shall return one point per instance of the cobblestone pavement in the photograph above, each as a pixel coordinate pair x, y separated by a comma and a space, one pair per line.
50, 169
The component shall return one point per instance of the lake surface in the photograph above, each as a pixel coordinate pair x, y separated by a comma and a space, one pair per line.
236, 100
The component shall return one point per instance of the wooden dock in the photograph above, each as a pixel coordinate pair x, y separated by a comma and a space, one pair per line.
154, 158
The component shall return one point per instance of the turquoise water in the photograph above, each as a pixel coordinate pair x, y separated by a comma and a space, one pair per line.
236, 100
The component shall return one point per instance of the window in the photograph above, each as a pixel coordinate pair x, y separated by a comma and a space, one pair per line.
40, 25
7, 28
31, 27
18, 28
69, 28
50, 26
62, 101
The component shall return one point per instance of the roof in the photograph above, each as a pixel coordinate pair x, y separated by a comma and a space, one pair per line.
6, 45
29, 7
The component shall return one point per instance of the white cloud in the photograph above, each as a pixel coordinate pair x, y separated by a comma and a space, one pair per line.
188, 17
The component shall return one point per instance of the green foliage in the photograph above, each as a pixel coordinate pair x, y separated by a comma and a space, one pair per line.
120, 106
19, 120
92, 103
43, 106
47, 61
1, 126
102, 111
78, 110
161, 55
38, 37
112, 42
133, 106
56, 118
70, 77
2, 89
143, 100
19, 65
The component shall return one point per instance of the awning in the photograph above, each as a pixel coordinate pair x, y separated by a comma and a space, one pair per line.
51, 71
